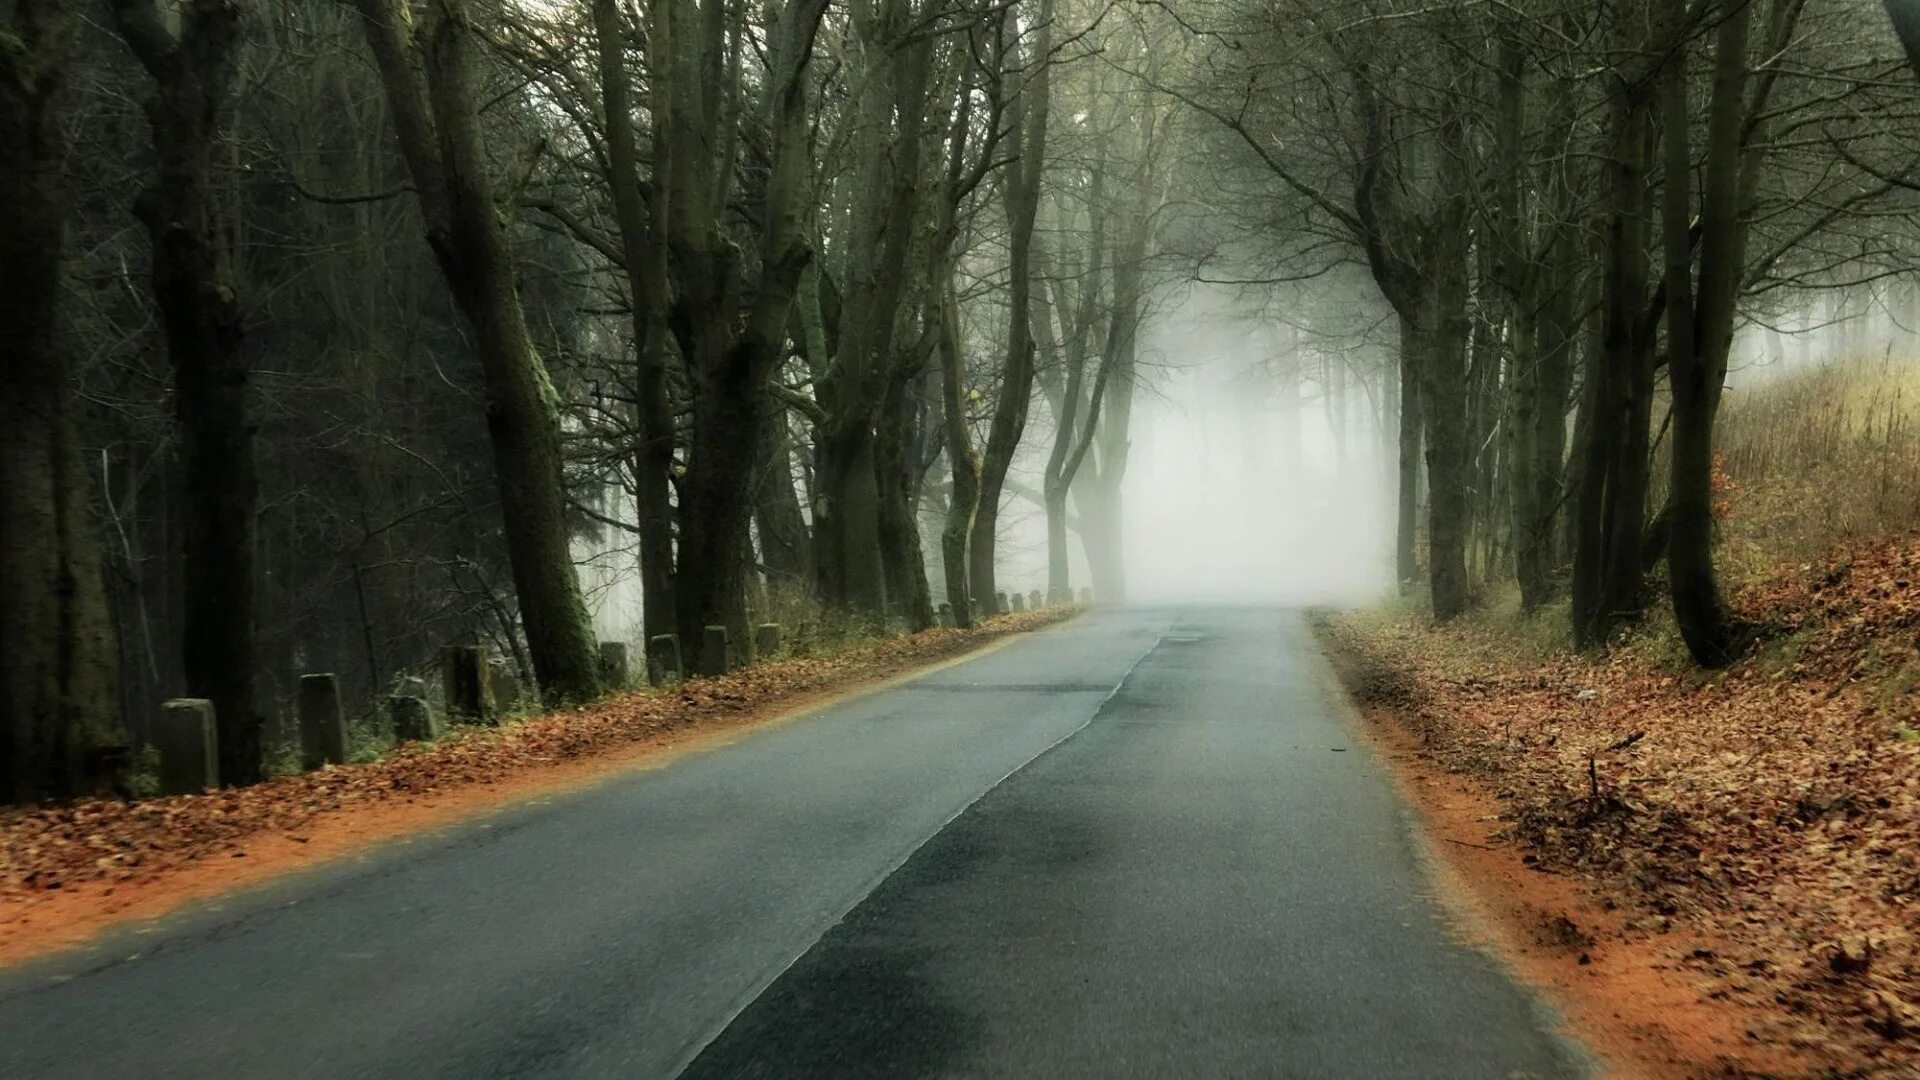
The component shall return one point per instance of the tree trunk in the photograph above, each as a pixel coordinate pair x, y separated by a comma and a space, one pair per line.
730, 367
1630, 356
1412, 423
1700, 327
1485, 437
895, 470
1449, 452
1530, 564
1021, 183
888, 124
1593, 458
715, 495
1102, 540
643, 242
59, 672
784, 543
193, 71
846, 521
428, 74
1617, 409
1540, 471
1097, 487
964, 464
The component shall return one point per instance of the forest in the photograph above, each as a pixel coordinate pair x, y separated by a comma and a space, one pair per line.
338, 334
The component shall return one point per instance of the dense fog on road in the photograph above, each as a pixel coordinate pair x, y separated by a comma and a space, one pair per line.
1240, 489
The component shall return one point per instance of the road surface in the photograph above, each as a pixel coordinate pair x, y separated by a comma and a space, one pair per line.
1144, 843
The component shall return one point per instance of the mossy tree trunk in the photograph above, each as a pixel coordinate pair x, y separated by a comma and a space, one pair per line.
425, 61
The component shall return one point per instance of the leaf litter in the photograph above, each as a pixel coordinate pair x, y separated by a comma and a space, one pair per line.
1773, 807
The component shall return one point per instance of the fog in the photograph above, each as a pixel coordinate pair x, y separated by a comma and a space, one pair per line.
1239, 486
1875, 322
1238, 489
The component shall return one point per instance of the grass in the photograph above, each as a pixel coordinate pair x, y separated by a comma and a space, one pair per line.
1542, 632
1818, 457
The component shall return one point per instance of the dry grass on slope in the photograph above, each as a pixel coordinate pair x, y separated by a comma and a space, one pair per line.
1819, 455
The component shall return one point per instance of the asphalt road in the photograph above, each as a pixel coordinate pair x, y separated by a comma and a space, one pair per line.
1142, 844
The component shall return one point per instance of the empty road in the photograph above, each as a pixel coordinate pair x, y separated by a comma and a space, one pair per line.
1145, 843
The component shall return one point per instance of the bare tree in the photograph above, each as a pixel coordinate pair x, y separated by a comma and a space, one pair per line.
731, 347
1703, 283
890, 58
428, 70
643, 244
1020, 183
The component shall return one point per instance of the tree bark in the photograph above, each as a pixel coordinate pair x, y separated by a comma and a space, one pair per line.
849, 568
889, 123
193, 71
1420, 263
1412, 423
784, 543
1701, 316
1593, 456
1612, 514
730, 359
962, 462
1097, 487
1539, 270
427, 69
1449, 452
60, 729
1539, 482
643, 242
1022, 186
897, 473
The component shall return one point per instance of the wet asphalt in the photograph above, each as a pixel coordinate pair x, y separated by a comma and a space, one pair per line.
1145, 843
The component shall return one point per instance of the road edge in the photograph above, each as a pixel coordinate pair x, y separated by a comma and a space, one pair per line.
1632, 1012
61, 928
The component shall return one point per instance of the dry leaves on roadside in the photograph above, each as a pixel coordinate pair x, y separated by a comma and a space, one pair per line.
105, 841
1774, 806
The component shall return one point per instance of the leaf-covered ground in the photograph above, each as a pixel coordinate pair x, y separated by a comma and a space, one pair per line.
56, 854
1773, 808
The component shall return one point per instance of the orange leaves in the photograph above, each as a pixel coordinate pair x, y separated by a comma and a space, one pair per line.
1775, 807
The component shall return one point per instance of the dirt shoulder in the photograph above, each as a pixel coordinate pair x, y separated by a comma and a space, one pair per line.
70, 871
1713, 874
